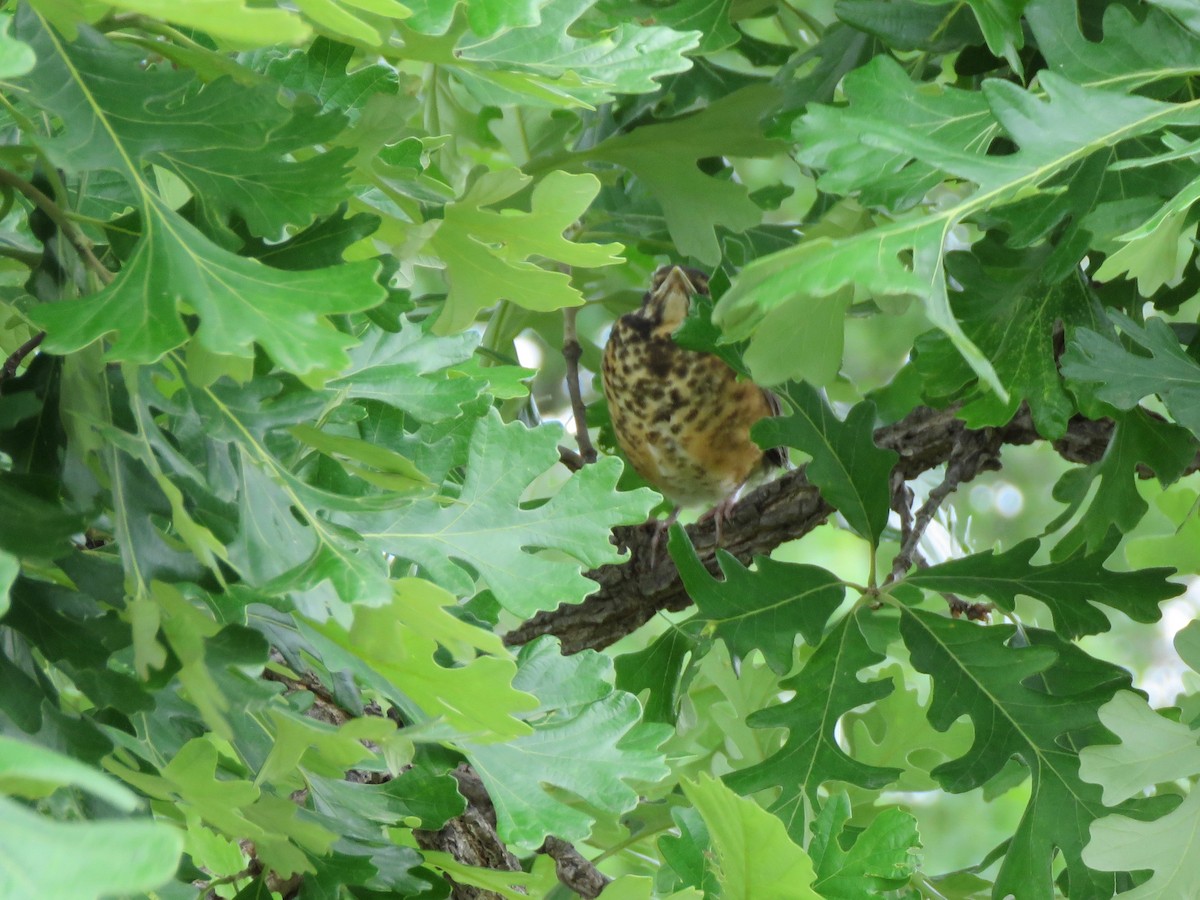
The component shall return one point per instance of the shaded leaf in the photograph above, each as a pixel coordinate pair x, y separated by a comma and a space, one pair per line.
1124, 378
1138, 438
1069, 587
826, 688
1034, 702
664, 157
761, 610
850, 470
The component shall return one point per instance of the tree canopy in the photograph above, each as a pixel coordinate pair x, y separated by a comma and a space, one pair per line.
313, 583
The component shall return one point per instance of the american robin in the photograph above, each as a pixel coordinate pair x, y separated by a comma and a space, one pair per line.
682, 417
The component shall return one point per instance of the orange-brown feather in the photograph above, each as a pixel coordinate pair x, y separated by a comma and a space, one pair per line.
682, 417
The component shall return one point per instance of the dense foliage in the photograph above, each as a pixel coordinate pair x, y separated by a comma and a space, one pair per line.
274, 485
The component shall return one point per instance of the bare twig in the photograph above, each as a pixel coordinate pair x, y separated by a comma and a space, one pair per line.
570, 458
573, 869
902, 501
572, 351
74, 236
9, 369
974, 452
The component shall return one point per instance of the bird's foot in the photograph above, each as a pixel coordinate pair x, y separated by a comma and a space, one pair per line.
661, 527
720, 515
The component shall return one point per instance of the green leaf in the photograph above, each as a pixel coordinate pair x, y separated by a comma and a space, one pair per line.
235, 807
240, 301
625, 59
417, 793
887, 111
826, 688
664, 158
378, 465
591, 743
10, 568
322, 71
1127, 51
894, 732
31, 771
1138, 438
487, 252
1177, 548
1034, 702
230, 20
82, 860
486, 531
232, 143
1013, 319
16, 57
318, 749
761, 610
1124, 378
1157, 251
1000, 22
174, 269
1069, 587
399, 641
320, 245
709, 17
850, 470
408, 369
34, 525
754, 856
881, 857
1153, 750
912, 25
343, 18
1168, 846
658, 669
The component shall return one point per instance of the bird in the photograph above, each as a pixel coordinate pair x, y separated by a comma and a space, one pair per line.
682, 417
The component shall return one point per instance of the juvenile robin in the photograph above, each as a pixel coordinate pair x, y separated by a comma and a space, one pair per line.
681, 416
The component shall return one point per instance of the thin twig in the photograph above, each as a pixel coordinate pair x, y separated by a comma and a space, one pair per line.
902, 501
18, 356
570, 458
572, 351
74, 236
974, 452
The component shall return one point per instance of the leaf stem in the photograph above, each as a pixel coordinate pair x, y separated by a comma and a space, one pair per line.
74, 236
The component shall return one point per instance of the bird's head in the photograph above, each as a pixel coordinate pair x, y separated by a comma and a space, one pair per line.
671, 292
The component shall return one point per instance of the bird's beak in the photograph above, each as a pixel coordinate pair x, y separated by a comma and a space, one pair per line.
677, 280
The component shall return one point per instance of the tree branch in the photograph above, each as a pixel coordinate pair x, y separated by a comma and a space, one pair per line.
571, 352
781, 510
471, 837
573, 869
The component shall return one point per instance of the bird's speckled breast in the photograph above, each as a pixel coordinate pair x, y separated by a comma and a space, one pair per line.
681, 417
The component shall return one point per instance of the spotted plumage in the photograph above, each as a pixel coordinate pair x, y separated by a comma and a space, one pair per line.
682, 417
